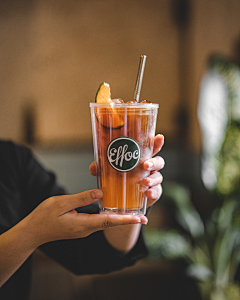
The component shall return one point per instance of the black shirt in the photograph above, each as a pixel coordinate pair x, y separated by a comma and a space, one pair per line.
24, 184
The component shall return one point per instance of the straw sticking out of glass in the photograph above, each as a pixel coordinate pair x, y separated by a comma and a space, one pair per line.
138, 84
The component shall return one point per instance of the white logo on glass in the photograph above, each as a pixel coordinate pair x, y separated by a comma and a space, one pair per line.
123, 154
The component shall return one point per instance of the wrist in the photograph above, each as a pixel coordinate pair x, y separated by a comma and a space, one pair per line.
28, 232
122, 238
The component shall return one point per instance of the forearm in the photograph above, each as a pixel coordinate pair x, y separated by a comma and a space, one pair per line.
16, 245
123, 238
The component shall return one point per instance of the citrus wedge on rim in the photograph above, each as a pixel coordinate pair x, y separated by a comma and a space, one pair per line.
103, 95
108, 117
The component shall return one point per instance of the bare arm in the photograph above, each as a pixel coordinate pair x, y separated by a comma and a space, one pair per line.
54, 219
16, 245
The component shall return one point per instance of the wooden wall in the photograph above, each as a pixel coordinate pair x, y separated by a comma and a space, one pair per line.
55, 53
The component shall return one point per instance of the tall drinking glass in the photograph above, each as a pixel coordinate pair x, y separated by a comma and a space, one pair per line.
123, 138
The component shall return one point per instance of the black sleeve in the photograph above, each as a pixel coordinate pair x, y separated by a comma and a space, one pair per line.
87, 255
92, 255
37, 183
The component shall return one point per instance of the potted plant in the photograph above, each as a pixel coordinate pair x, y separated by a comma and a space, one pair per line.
210, 245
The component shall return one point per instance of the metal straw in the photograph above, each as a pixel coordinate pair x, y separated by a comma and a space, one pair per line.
138, 84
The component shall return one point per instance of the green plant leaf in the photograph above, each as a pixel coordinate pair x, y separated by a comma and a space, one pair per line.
200, 272
166, 244
187, 215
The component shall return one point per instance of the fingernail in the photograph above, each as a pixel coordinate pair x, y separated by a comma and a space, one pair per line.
149, 181
141, 220
96, 194
137, 220
144, 220
150, 164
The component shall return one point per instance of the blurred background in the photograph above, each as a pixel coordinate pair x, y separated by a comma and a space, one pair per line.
53, 56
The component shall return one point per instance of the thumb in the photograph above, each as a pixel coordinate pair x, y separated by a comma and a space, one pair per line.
70, 202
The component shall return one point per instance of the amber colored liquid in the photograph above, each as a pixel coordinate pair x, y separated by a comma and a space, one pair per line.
124, 190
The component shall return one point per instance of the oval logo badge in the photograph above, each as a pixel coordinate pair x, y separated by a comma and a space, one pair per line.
123, 154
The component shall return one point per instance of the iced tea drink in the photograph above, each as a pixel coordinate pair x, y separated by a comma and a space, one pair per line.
123, 137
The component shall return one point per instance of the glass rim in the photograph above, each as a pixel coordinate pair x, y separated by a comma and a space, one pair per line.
125, 105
